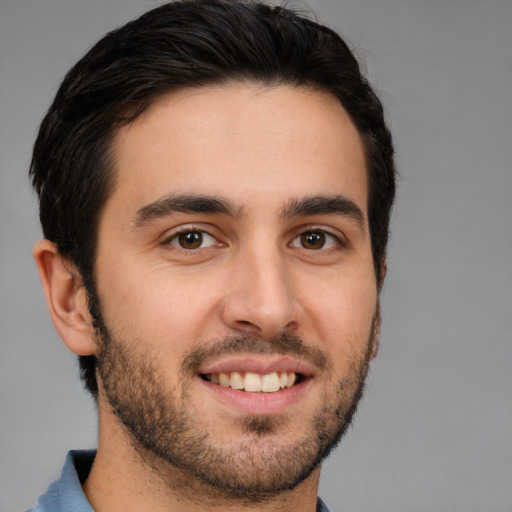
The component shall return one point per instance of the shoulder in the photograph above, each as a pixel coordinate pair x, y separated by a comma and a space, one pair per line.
321, 506
49, 501
65, 494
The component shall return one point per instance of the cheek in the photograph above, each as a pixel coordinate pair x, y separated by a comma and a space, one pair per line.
342, 312
159, 308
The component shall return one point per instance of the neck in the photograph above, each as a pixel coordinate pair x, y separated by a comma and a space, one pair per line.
123, 478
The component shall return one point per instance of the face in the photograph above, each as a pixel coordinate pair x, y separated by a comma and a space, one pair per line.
238, 294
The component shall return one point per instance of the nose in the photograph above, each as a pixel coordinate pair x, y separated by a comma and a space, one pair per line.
259, 296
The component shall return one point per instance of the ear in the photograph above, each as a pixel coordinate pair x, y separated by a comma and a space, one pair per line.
374, 342
66, 298
383, 270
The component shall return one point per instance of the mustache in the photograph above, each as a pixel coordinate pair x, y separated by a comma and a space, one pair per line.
284, 344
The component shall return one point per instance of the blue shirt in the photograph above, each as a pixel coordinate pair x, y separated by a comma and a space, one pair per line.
66, 494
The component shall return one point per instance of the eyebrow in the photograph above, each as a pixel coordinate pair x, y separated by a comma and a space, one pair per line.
183, 203
325, 205
193, 203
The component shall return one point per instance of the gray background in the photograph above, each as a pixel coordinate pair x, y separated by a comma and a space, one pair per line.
434, 431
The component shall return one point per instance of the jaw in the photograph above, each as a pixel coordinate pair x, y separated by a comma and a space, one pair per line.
263, 454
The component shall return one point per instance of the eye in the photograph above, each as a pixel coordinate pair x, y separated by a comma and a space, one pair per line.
192, 239
315, 240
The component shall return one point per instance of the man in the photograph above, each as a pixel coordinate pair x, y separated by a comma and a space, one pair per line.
215, 184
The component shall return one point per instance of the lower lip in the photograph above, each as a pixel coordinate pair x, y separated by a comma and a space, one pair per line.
260, 404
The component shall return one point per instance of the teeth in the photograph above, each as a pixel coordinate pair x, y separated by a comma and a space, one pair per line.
237, 381
253, 382
224, 380
270, 383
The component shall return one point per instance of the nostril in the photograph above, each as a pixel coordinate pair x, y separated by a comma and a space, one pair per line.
247, 326
291, 326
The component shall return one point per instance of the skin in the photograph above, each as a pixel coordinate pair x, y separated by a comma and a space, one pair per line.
257, 149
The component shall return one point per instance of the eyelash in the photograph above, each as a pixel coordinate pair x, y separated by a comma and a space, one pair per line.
335, 241
188, 231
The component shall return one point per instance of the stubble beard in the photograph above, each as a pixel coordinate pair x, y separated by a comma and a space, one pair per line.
169, 436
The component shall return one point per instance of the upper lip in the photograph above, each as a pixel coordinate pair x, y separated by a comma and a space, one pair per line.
260, 365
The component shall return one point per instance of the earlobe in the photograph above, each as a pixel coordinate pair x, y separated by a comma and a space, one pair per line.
66, 298
383, 270
374, 347
375, 335
374, 342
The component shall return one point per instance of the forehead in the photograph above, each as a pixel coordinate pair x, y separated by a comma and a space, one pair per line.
239, 141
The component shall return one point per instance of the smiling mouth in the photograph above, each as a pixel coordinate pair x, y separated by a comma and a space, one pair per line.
254, 382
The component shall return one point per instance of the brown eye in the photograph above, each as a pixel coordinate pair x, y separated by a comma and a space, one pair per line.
316, 241
312, 240
191, 240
